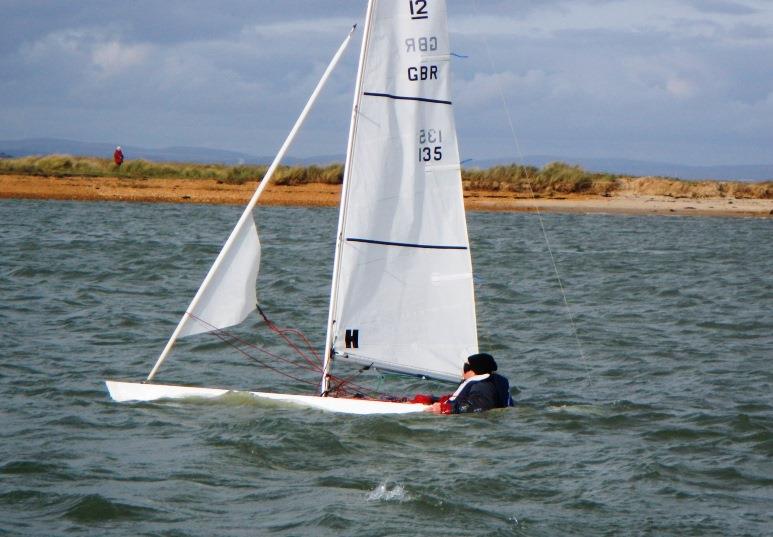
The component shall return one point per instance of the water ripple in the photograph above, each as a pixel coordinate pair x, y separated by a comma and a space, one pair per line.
662, 425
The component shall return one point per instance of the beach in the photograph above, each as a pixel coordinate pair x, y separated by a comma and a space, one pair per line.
635, 196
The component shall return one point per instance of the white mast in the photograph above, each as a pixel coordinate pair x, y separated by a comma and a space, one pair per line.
246, 217
324, 385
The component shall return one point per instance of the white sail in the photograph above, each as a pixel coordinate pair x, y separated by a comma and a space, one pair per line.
403, 295
229, 294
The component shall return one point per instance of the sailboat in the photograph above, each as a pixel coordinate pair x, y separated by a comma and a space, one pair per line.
402, 297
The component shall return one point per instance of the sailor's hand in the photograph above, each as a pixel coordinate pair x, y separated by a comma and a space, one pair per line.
435, 408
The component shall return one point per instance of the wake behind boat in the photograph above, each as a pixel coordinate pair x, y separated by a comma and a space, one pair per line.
402, 296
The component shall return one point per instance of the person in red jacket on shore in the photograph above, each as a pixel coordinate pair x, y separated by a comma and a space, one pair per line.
118, 156
481, 388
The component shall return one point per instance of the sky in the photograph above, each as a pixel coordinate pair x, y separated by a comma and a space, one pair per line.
683, 81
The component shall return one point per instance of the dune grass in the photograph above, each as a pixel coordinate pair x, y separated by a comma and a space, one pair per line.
70, 166
553, 179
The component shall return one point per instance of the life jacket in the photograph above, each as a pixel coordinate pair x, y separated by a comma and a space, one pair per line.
502, 385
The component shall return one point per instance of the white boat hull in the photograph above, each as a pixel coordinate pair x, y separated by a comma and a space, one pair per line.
136, 391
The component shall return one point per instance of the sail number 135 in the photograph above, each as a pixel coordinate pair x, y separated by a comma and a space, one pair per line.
430, 145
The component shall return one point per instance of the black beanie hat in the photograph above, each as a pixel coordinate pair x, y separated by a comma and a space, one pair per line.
482, 363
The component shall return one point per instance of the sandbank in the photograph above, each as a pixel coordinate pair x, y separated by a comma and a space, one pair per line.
631, 199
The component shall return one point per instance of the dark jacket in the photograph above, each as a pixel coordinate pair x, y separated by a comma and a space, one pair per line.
479, 393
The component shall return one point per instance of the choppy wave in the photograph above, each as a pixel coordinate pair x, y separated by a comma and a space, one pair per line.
662, 425
388, 492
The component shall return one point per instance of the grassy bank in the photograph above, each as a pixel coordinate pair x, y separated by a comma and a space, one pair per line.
554, 179
70, 166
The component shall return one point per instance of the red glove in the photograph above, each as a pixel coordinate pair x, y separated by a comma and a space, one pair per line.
423, 399
445, 404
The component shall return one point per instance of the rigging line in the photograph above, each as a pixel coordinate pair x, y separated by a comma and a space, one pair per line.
316, 367
282, 333
345, 385
375, 394
229, 339
343, 382
519, 154
342, 385
220, 332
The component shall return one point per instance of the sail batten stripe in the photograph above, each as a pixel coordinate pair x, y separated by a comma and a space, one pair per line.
408, 244
406, 98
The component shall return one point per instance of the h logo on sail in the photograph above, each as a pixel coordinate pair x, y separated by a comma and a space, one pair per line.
352, 339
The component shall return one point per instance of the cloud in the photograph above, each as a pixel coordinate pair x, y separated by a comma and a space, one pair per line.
583, 76
56, 44
680, 87
113, 57
724, 7
486, 88
548, 20
83, 49
333, 26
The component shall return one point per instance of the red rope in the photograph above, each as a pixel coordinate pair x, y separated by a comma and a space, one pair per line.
281, 332
230, 338
339, 389
343, 386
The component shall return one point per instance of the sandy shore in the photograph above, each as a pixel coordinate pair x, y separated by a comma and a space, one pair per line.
627, 200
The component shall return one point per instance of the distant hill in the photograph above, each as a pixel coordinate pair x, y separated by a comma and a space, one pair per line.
50, 146
47, 146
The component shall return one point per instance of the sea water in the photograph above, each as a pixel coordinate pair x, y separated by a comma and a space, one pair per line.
645, 389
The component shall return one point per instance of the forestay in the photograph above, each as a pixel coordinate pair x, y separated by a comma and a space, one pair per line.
403, 296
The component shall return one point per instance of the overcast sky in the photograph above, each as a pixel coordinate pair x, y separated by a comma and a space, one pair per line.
685, 81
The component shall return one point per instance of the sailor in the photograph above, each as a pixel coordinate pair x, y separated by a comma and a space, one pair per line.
481, 388
118, 156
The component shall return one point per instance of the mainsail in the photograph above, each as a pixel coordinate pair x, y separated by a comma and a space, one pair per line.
402, 296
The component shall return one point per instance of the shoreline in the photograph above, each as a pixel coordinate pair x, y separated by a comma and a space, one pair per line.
628, 200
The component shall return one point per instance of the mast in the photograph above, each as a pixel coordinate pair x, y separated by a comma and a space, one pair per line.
246, 217
328, 354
